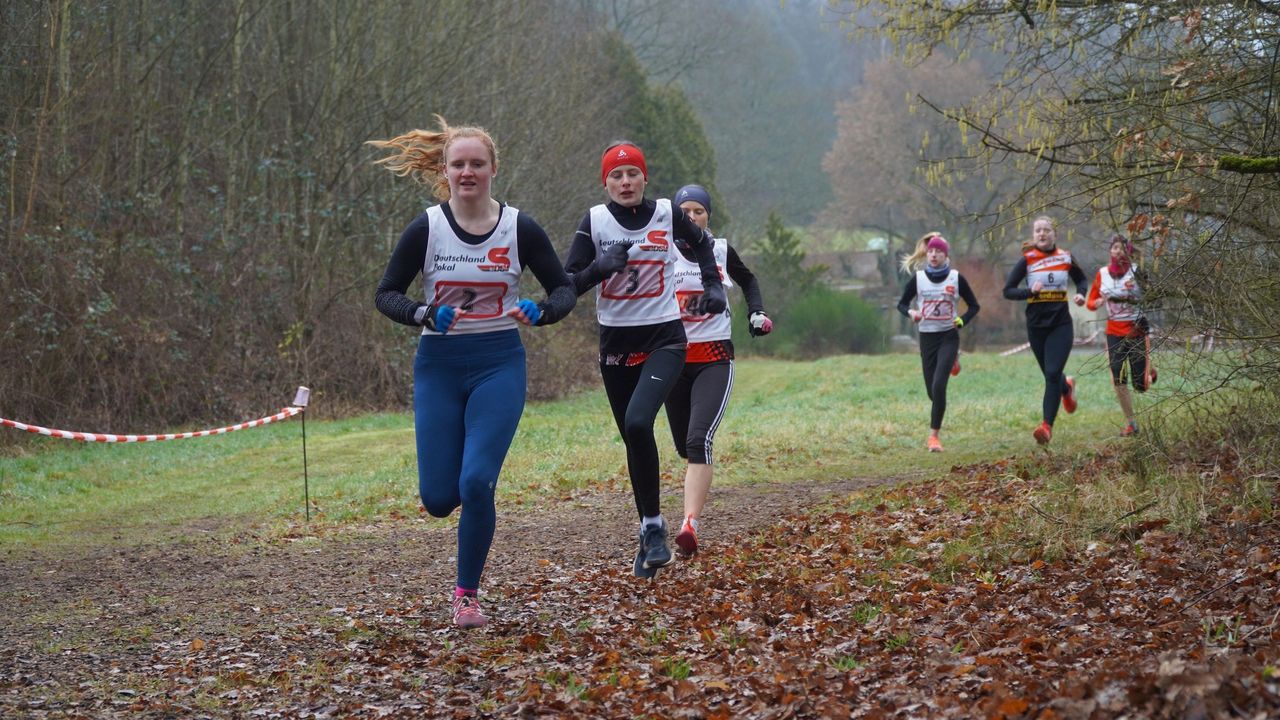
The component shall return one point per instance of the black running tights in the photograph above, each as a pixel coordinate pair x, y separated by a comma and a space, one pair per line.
938, 352
636, 393
1052, 347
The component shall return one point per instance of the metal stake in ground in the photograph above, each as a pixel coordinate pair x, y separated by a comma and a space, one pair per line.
301, 399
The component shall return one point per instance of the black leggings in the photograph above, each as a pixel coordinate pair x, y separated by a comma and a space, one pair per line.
635, 394
1132, 350
938, 352
696, 405
1052, 347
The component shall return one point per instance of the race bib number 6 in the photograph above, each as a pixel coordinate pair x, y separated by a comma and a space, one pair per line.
478, 300
639, 279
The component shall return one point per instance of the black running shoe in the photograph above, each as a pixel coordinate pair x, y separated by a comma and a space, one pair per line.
653, 541
640, 570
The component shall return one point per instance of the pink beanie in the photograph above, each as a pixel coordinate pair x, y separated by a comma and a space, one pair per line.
937, 242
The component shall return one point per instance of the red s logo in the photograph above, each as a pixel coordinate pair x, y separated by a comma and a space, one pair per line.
498, 256
657, 237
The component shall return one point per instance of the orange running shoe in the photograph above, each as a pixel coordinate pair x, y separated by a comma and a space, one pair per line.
1043, 433
934, 444
955, 369
1069, 397
1130, 429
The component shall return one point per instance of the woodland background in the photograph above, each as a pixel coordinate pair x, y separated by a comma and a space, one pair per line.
192, 226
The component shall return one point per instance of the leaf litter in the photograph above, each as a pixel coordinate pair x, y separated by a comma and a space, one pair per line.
808, 603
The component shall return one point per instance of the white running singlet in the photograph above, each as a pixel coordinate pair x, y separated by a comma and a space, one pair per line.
938, 301
688, 281
642, 293
1120, 289
481, 280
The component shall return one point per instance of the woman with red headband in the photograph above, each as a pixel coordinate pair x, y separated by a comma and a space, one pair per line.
1128, 340
940, 287
1047, 269
698, 400
624, 249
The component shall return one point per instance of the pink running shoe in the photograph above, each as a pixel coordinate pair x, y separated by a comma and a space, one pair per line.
467, 613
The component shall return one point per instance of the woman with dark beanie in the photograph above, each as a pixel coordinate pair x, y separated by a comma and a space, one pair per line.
939, 288
698, 400
1128, 333
1047, 269
625, 248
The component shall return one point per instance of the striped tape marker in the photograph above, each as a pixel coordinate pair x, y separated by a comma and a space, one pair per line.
284, 414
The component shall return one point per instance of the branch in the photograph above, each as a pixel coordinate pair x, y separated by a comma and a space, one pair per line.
1022, 10
1250, 165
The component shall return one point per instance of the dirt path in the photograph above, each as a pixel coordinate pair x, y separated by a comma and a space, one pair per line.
72, 615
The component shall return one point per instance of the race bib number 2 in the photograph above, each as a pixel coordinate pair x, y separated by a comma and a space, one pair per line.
478, 300
639, 279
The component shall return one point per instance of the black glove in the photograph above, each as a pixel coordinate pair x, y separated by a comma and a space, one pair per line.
612, 260
713, 300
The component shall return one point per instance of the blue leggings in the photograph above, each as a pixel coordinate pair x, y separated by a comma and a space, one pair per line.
468, 394
1052, 347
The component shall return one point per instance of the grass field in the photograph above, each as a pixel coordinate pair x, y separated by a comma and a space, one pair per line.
837, 417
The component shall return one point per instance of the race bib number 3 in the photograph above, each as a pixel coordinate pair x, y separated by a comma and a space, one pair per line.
937, 309
478, 300
639, 279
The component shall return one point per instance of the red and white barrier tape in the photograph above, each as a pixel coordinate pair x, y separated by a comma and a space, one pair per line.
284, 414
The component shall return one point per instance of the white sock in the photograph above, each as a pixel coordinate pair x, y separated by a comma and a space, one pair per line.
692, 522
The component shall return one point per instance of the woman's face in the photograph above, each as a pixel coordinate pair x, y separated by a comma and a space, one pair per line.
936, 257
625, 185
1043, 235
469, 169
696, 212
1117, 251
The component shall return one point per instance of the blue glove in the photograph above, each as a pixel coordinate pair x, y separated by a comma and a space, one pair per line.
526, 311
446, 318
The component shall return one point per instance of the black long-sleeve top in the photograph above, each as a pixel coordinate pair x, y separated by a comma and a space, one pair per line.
639, 338
909, 292
1044, 314
532, 244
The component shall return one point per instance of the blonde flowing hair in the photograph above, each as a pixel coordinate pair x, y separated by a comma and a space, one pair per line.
913, 262
420, 154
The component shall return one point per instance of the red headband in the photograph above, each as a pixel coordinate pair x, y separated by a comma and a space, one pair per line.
937, 242
620, 155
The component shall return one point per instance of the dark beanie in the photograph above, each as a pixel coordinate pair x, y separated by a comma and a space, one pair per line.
696, 193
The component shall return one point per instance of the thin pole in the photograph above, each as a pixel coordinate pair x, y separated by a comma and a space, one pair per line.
306, 480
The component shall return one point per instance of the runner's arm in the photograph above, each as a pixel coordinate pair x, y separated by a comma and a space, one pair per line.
1095, 296
536, 253
970, 301
908, 294
1011, 283
746, 280
406, 263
